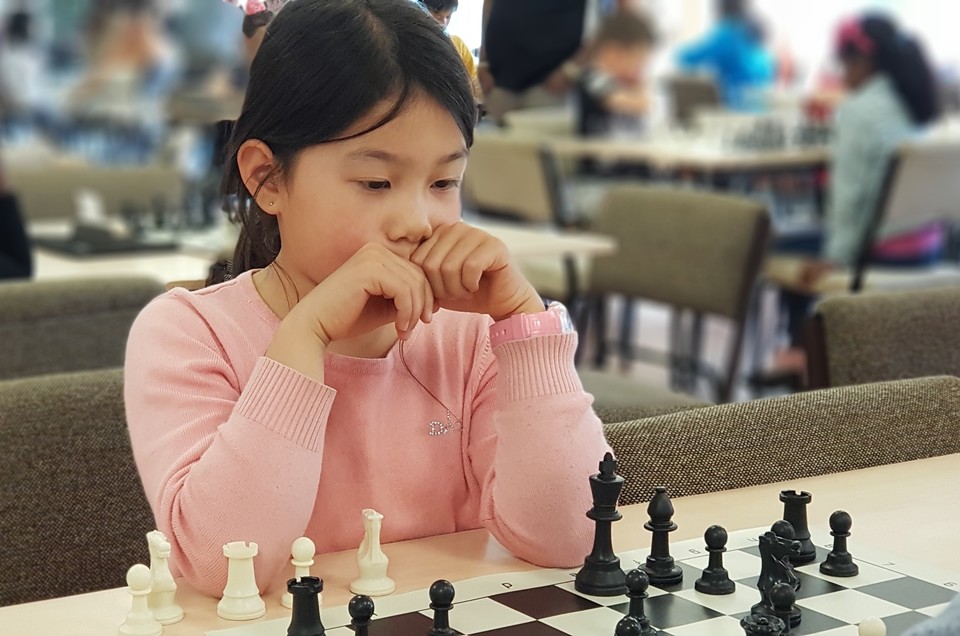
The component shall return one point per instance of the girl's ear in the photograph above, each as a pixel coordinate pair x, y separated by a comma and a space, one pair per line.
256, 163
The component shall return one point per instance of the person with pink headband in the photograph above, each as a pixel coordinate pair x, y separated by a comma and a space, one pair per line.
891, 95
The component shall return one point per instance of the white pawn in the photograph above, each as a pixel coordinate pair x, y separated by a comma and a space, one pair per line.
241, 599
872, 627
164, 588
302, 552
140, 620
371, 561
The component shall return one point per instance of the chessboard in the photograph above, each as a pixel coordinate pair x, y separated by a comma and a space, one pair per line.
544, 602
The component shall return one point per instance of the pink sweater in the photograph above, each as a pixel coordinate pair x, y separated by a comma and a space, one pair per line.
233, 446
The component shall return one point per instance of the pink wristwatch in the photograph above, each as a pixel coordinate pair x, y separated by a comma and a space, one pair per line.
555, 320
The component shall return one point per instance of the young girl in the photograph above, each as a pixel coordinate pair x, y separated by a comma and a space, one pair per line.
372, 351
891, 95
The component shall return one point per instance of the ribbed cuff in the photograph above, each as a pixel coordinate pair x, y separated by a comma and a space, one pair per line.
287, 402
537, 366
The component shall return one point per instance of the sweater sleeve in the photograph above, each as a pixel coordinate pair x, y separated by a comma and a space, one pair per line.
218, 463
534, 441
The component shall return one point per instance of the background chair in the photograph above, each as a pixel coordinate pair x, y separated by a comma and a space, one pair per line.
73, 515
861, 338
689, 94
920, 186
68, 325
793, 437
695, 251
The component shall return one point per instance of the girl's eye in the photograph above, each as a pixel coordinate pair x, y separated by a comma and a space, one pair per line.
376, 185
446, 184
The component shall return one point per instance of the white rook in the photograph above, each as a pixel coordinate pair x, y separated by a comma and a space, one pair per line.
241, 599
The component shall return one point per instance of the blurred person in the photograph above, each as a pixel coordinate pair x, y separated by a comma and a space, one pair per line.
206, 33
735, 54
21, 68
611, 89
529, 52
442, 11
132, 64
890, 96
16, 260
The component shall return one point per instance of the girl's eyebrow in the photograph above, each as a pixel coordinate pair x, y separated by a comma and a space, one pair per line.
383, 155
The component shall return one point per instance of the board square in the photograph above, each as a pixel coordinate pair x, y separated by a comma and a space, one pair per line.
900, 623
935, 610
851, 606
720, 626
742, 599
403, 624
669, 611
526, 629
594, 622
909, 592
868, 575
544, 602
739, 564
482, 615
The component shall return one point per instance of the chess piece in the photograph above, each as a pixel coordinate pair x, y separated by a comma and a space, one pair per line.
361, 613
637, 584
163, 589
758, 625
795, 512
660, 566
601, 574
302, 552
777, 546
783, 598
628, 626
441, 602
305, 617
840, 562
241, 599
715, 579
872, 627
371, 561
140, 620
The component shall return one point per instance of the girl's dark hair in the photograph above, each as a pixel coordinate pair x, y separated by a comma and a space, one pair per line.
254, 22
739, 10
441, 5
898, 56
323, 65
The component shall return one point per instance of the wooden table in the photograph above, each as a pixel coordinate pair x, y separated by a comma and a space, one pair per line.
703, 157
198, 252
909, 509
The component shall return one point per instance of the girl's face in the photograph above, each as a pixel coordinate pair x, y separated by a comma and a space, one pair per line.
442, 17
391, 186
857, 69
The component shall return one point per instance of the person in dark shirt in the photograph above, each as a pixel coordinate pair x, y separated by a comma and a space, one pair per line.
16, 261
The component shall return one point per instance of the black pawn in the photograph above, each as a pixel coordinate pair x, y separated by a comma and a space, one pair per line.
361, 613
757, 625
715, 579
628, 626
660, 566
601, 574
305, 619
795, 511
783, 597
839, 562
637, 585
441, 602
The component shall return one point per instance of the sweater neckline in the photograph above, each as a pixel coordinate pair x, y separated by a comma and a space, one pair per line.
333, 361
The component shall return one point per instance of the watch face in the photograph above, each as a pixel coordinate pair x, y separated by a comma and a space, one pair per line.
566, 322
